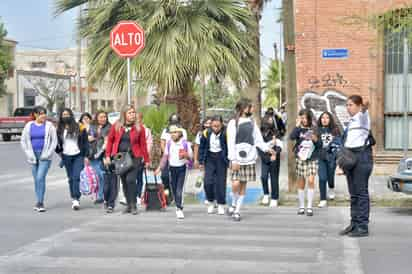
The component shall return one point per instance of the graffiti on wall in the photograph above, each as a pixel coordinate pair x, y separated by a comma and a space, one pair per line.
331, 101
331, 81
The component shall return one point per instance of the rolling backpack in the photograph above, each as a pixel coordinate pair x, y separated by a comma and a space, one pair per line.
154, 197
89, 181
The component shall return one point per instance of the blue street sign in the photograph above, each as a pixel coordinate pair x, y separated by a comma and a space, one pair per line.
335, 53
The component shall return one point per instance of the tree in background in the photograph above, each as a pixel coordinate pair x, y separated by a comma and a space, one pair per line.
185, 41
218, 94
271, 85
5, 61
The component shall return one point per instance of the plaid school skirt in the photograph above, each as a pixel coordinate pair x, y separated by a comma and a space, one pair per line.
246, 173
306, 168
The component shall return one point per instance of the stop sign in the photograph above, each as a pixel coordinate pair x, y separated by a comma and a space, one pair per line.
127, 39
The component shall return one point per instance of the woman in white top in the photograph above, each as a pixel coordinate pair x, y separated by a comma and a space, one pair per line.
243, 137
358, 139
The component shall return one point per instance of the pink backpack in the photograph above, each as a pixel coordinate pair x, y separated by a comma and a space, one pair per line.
89, 181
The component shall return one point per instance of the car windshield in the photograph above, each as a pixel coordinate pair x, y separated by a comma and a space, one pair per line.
23, 112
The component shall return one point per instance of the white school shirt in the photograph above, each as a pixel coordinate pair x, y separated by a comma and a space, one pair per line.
174, 160
214, 145
358, 130
70, 146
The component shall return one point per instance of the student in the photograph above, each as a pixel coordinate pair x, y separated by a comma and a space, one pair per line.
358, 139
128, 136
38, 142
174, 119
73, 146
205, 125
85, 121
306, 152
213, 159
329, 134
177, 153
243, 138
270, 164
97, 136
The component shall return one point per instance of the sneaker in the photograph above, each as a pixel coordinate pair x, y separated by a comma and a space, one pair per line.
36, 207
179, 214
301, 211
75, 205
265, 200
138, 202
236, 217
127, 209
134, 210
206, 202
322, 204
105, 205
41, 208
332, 194
220, 210
123, 202
309, 212
110, 209
211, 209
273, 203
230, 210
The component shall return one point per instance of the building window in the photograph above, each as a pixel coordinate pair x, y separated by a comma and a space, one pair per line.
38, 65
394, 90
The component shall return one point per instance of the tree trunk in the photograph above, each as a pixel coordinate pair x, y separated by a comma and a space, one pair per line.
187, 107
253, 91
156, 153
291, 88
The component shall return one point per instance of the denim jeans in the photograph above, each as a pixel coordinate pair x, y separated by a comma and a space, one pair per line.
74, 165
97, 165
178, 176
326, 176
39, 171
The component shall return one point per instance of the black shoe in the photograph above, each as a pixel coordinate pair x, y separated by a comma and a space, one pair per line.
41, 208
347, 230
110, 209
134, 209
309, 212
36, 207
230, 210
301, 211
359, 232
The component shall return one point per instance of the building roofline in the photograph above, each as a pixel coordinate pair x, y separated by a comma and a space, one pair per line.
10, 41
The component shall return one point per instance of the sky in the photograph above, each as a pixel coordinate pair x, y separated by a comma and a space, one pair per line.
33, 25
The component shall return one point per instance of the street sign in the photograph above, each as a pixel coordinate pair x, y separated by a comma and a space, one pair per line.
335, 53
127, 39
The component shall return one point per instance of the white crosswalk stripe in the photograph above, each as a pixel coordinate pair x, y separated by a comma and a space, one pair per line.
265, 241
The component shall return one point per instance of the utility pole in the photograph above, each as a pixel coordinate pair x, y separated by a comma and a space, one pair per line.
278, 59
291, 88
280, 67
78, 66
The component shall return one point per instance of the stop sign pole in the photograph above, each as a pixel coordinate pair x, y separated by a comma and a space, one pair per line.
127, 40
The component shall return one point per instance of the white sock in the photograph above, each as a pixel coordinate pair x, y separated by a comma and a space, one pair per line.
235, 197
311, 192
301, 196
239, 203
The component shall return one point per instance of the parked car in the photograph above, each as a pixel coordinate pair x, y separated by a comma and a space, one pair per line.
402, 180
13, 126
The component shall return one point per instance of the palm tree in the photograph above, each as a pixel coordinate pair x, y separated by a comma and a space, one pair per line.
185, 40
254, 90
271, 85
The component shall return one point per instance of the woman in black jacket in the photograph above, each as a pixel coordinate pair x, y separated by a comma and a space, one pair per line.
73, 148
270, 163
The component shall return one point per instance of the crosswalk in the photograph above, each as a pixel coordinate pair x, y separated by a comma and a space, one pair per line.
265, 241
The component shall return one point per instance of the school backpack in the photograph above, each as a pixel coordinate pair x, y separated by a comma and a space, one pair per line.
185, 144
89, 181
154, 197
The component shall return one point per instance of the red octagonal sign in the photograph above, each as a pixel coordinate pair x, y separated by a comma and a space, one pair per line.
127, 39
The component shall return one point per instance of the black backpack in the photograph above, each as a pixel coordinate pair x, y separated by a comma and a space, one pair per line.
154, 197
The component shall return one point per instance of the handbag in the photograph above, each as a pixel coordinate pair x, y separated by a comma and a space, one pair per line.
123, 163
346, 159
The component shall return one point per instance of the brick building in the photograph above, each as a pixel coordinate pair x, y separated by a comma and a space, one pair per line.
337, 57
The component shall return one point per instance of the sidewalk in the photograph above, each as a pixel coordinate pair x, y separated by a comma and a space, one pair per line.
377, 187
